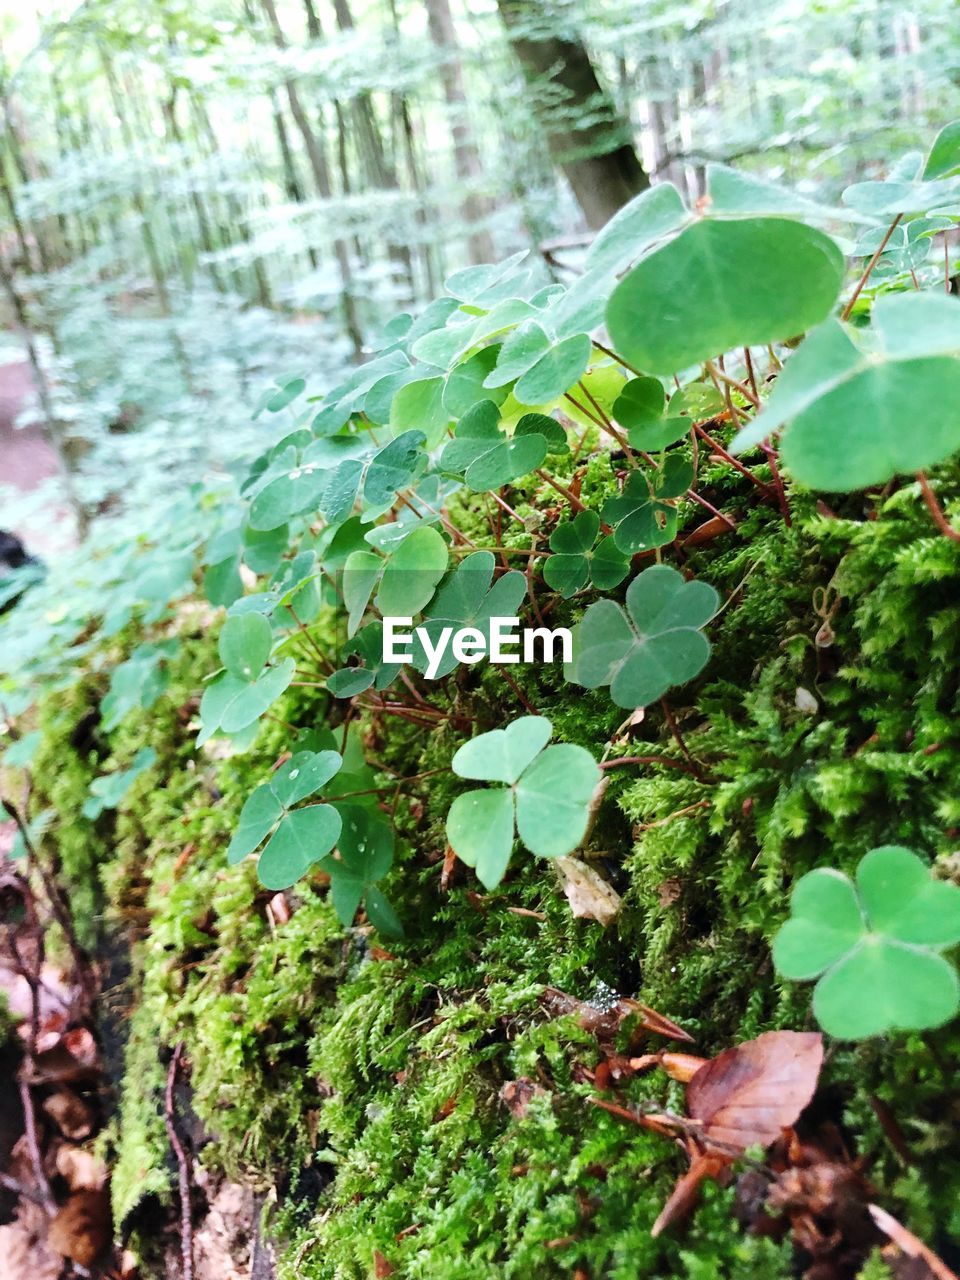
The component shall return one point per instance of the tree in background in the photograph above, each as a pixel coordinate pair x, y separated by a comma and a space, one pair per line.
586, 136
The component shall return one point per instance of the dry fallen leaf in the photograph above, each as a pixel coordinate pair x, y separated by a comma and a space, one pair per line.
81, 1230
745, 1097
518, 1094
748, 1094
72, 1116
590, 896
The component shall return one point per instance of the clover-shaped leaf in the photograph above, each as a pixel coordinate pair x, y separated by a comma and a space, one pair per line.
412, 573
896, 396
230, 703
466, 599
297, 837
644, 515
486, 457
640, 408
655, 643
367, 645
731, 284
245, 644
392, 468
577, 561
541, 370
365, 847
546, 798
874, 945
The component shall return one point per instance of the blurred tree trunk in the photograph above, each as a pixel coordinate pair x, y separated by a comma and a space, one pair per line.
380, 170
600, 161
321, 176
466, 157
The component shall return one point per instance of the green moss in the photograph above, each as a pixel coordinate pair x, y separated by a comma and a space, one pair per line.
367, 1087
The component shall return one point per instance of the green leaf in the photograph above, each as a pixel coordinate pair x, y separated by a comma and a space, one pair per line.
875, 942
644, 515
555, 372
642, 400
368, 646
464, 385
899, 400
648, 217
349, 681
302, 838
944, 158
261, 811
480, 829
419, 405
467, 599
231, 704
366, 855
245, 644
729, 284
882, 986
502, 754
486, 456
553, 799
655, 643
393, 468
303, 775
285, 395
548, 795
360, 576
412, 573
222, 584
576, 562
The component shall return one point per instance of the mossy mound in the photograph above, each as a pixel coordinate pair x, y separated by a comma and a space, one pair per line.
364, 1084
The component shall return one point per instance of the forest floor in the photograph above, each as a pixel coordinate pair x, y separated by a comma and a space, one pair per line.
26, 462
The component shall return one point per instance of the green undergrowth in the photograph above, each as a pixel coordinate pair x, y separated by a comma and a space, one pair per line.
363, 1079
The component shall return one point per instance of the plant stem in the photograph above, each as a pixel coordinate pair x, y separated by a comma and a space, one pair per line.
718, 374
935, 509
561, 489
619, 359
845, 313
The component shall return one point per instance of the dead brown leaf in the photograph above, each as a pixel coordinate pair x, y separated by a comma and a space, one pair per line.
72, 1116
748, 1094
81, 1230
518, 1094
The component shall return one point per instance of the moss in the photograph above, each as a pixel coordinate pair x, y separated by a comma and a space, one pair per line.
366, 1085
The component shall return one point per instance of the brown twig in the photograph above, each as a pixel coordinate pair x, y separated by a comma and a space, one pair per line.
183, 1166
663, 760
33, 1146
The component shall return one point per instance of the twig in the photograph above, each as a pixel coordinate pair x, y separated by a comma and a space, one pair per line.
183, 1167
678, 738
79, 957
30, 1132
663, 760
716, 373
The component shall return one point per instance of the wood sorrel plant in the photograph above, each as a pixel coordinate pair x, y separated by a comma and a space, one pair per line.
734, 331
